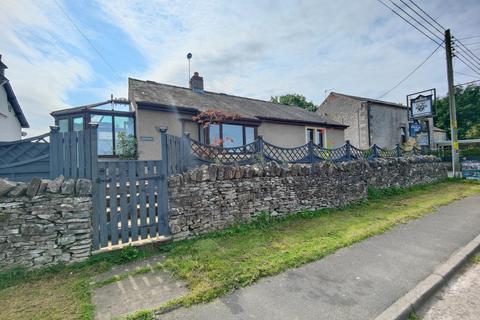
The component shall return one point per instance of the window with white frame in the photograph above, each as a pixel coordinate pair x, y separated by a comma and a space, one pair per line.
316, 135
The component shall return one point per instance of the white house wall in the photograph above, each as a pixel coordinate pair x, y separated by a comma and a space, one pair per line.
10, 126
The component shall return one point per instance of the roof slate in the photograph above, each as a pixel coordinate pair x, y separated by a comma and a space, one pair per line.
392, 104
150, 92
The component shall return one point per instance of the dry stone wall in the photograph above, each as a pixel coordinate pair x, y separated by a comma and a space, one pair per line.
213, 197
44, 222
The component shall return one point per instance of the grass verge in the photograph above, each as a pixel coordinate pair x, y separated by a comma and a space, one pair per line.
223, 261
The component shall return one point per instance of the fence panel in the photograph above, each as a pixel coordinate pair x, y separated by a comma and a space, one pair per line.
260, 150
22, 160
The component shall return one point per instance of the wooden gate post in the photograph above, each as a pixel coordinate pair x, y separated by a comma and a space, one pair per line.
54, 152
163, 219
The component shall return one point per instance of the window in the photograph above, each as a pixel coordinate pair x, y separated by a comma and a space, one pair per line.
104, 133
123, 124
214, 134
232, 135
319, 137
249, 135
229, 135
125, 107
403, 135
78, 124
63, 125
310, 135
316, 135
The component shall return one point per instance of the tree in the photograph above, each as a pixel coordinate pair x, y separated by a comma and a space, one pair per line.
468, 112
295, 99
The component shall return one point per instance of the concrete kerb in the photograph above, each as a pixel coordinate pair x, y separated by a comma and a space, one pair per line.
412, 300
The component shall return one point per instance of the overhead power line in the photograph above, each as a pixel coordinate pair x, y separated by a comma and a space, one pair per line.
471, 37
468, 52
65, 13
414, 19
441, 29
466, 83
404, 19
412, 72
467, 60
436, 22
465, 74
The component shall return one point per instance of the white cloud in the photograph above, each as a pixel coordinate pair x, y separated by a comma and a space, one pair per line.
251, 48
261, 48
42, 71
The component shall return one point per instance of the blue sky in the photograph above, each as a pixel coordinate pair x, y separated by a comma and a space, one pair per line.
248, 48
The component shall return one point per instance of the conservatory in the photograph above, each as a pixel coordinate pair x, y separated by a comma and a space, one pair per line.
113, 117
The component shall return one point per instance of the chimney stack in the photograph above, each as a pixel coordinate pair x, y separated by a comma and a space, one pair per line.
196, 83
2, 67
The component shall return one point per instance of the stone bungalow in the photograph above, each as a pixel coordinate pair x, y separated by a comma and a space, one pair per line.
369, 121
152, 105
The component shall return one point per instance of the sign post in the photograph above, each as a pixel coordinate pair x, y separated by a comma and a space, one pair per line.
421, 108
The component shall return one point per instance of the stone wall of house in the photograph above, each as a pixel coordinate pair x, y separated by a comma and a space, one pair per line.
44, 222
213, 197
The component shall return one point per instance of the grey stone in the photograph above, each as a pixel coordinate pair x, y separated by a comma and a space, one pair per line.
18, 191
6, 186
83, 187
33, 187
68, 186
54, 186
213, 197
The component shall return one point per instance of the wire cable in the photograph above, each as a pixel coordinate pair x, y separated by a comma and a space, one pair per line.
466, 83
414, 19
412, 72
438, 24
65, 13
441, 30
466, 64
468, 52
465, 74
471, 37
381, 1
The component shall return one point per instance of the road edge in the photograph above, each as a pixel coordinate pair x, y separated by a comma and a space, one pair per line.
412, 300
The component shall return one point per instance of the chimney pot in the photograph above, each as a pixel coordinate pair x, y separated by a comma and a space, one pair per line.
196, 83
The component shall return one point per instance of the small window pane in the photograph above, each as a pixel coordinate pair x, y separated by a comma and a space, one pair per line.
104, 132
123, 124
319, 138
232, 135
63, 125
78, 124
214, 134
249, 135
309, 135
121, 107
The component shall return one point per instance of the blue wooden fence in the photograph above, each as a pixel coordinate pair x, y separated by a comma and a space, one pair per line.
71, 154
23, 159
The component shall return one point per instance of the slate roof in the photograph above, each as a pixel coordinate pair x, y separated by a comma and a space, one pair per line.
14, 102
163, 95
364, 99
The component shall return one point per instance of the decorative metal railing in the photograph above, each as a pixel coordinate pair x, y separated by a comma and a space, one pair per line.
260, 150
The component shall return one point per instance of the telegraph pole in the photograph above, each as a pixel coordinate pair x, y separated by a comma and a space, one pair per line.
451, 100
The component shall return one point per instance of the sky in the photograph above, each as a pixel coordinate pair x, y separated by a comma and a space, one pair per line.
63, 53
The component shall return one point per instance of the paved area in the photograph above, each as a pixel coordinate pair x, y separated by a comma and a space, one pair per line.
459, 299
144, 291
358, 282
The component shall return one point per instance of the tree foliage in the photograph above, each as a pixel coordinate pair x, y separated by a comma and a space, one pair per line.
126, 146
295, 99
468, 112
